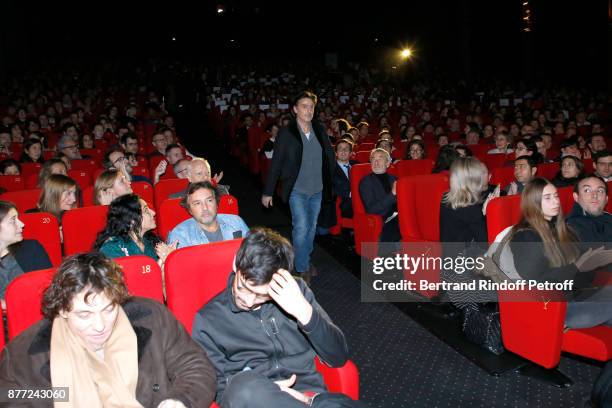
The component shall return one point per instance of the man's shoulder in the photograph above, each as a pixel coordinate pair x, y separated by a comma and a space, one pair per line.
215, 307
230, 217
184, 225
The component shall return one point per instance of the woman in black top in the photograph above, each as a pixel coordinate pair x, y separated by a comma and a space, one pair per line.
545, 250
16, 254
463, 208
572, 170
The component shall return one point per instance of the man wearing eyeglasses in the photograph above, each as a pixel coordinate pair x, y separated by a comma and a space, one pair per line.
263, 332
69, 147
115, 159
588, 219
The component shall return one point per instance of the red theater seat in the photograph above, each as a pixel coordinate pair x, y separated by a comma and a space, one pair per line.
81, 227
12, 183
88, 165
143, 276
566, 197
548, 170
502, 212
27, 169
44, 228
194, 275
144, 190
165, 188
414, 167
82, 177
24, 199
23, 299
367, 227
418, 205
534, 329
363, 156
502, 176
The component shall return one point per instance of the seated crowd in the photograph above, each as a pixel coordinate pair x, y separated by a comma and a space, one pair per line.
96, 338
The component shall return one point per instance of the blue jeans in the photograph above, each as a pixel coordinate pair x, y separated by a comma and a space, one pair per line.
304, 214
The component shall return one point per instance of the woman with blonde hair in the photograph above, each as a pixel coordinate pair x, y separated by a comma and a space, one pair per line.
545, 250
109, 185
463, 208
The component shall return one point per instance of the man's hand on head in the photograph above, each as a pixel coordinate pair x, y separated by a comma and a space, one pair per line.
285, 291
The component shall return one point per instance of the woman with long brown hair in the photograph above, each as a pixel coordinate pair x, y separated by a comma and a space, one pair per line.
545, 250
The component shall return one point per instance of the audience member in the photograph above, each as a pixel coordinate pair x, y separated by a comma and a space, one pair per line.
341, 179
49, 167
32, 152
115, 158
160, 143
502, 144
572, 170
525, 170
377, 191
129, 231
446, 155
415, 150
17, 255
602, 163
69, 147
588, 219
205, 225
264, 291
545, 250
10, 167
108, 348
109, 185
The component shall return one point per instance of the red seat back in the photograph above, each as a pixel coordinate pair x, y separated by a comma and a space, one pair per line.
358, 171
154, 161
363, 156
82, 177
548, 170
502, 176
228, 204
24, 199
88, 196
566, 197
12, 183
533, 329
27, 169
44, 228
493, 161
502, 212
144, 190
414, 167
95, 154
194, 275
143, 276
81, 227
165, 188
169, 215
418, 204
23, 300
88, 165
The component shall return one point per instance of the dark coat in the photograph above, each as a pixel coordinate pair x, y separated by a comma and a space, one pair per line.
588, 228
268, 341
375, 199
170, 364
287, 160
342, 186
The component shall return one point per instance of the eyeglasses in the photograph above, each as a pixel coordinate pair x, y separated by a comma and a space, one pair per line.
71, 147
119, 159
181, 171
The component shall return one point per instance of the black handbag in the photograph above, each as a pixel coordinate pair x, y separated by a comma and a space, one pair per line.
481, 326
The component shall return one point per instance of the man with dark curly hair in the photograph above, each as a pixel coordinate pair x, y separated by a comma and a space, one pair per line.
109, 349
